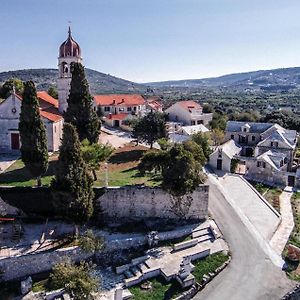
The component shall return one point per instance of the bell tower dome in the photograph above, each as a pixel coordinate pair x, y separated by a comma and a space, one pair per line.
69, 51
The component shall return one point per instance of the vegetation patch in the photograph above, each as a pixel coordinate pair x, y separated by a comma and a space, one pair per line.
158, 289
271, 194
209, 265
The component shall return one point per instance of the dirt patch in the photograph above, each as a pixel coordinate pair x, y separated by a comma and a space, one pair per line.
126, 157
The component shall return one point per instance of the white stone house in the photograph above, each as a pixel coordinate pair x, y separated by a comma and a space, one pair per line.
268, 151
10, 110
116, 108
222, 157
188, 113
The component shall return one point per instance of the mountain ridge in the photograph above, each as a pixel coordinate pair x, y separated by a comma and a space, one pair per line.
280, 77
100, 83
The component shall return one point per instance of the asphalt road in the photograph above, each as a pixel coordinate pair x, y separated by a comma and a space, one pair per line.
250, 275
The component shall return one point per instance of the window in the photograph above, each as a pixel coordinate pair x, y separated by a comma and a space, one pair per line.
253, 138
258, 164
285, 160
281, 163
245, 129
129, 108
200, 122
107, 108
232, 136
54, 129
193, 122
263, 164
134, 108
274, 144
121, 108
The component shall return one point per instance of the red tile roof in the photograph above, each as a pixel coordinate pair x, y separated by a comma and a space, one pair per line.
52, 114
119, 99
119, 117
47, 98
154, 103
189, 104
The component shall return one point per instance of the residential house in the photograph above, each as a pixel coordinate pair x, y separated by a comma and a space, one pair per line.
188, 113
223, 155
153, 104
116, 108
10, 110
268, 151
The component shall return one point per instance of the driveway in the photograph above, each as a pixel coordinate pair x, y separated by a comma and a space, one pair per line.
6, 160
251, 275
251, 205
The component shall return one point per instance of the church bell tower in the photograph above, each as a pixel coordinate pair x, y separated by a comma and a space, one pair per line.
69, 52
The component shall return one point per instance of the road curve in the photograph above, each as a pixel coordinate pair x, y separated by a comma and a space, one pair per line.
250, 275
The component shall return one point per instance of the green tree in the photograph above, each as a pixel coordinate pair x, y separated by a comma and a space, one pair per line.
7, 87
33, 137
217, 136
80, 110
152, 161
150, 128
89, 242
181, 172
202, 140
94, 154
164, 143
52, 91
219, 121
72, 186
197, 152
75, 279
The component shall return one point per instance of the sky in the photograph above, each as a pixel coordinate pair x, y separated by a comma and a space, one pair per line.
153, 40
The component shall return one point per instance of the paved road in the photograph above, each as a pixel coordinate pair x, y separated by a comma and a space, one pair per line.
250, 275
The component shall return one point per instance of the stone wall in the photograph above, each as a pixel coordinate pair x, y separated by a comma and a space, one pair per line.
138, 203
20, 266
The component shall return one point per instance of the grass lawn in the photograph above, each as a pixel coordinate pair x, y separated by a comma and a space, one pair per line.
209, 265
122, 170
162, 290
18, 175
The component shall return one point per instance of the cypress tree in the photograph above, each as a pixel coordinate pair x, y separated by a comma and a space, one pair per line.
80, 110
72, 186
34, 151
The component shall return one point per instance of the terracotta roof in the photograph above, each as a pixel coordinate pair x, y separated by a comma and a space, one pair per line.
154, 103
47, 98
189, 104
51, 113
119, 99
119, 117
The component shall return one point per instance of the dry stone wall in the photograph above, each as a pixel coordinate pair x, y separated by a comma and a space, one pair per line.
145, 202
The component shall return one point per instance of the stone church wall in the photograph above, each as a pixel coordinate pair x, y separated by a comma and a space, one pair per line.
134, 202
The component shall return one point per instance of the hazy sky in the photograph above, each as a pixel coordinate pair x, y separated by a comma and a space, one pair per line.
153, 40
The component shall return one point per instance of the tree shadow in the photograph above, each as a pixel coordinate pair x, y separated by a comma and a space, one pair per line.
126, 156
23, 175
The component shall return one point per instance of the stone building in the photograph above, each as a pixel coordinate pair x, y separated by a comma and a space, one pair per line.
69, 52
267, 150
10, 110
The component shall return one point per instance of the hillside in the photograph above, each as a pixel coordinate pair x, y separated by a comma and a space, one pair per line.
270, 80
100, 83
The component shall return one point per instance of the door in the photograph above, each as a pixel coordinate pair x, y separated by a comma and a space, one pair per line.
15, 141
219, 164
117, 123
291, 180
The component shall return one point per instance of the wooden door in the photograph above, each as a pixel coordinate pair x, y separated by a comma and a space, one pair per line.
15, 141
219, 164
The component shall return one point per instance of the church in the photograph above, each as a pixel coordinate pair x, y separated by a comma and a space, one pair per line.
51, 110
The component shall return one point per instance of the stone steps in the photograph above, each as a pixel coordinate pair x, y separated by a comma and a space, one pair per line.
201, 232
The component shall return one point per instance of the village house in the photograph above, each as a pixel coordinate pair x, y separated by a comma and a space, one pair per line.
267, 151
115, 109
10, 110
221, 158
188, 113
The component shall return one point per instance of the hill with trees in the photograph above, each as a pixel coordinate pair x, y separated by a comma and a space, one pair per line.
100, 83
